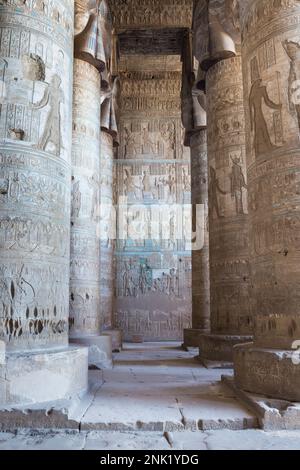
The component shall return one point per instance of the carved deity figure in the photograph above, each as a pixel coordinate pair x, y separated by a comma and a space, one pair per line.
293, 51
214, 189
143, 281
128, 283
258, 97
148, 144
174, 282
238, 182
146, 182
76, 200
53, 97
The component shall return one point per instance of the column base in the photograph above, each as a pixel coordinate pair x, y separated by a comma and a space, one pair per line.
270, 372
220, 347
43, 376
272, 414
100, 350
191, 338
117, 339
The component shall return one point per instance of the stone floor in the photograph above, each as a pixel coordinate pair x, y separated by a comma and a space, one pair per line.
159, 387
157, 397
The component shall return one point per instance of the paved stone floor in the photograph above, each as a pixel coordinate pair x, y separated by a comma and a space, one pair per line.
158, 397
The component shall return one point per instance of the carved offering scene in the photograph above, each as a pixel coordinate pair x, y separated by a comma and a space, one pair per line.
149, 227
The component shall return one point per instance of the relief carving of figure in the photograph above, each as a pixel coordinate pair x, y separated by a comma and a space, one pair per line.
146, 182
76, 200
53, 97
293, 51
129, 289
258, 97
238, 182
148, 145
214, 189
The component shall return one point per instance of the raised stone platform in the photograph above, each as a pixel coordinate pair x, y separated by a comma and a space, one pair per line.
100, 350
272, 414
43, 376
269, 372
152, 387
219, 348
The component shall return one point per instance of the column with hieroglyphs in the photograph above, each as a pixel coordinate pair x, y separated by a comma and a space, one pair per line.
36, 62
270, 52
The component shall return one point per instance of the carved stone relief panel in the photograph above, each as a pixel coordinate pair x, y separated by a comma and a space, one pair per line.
36, 41
153, 175
153, 295
141, 13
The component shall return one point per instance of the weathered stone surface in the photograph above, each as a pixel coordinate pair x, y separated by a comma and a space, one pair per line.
270, 372
38, 377
116, 337
107, 231
100, 350
272, 414
220, 347
85, 261
270, 62
153, 179
231, 313
35, 127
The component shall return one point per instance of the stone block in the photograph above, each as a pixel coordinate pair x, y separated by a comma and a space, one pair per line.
220, 347
269, 372
100, 350
43, 376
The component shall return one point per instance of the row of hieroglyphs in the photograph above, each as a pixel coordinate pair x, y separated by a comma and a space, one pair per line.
160, 182
153, 324
26, 305
165, 274
34, 189
152, 12
160, 138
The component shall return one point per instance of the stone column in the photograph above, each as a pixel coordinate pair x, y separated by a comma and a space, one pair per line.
107, 243
200, 257
85, 319
231, 314
270, 53
36, 62
231, 317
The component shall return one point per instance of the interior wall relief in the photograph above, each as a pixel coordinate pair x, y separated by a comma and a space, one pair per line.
153, 176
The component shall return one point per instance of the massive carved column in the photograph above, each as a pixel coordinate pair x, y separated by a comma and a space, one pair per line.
109, 140
231, 316
194, 120
200, 256
271, 82
35, 149
85, 319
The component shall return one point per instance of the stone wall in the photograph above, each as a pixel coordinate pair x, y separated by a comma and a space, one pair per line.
153, 281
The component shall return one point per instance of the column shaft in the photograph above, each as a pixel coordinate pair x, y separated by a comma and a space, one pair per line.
200, 257
270, 59
36, 60
85, 267
231, 315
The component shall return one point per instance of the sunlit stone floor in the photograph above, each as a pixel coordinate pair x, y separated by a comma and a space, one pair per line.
157, 397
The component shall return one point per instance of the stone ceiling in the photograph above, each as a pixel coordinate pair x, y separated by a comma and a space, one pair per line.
151, 27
